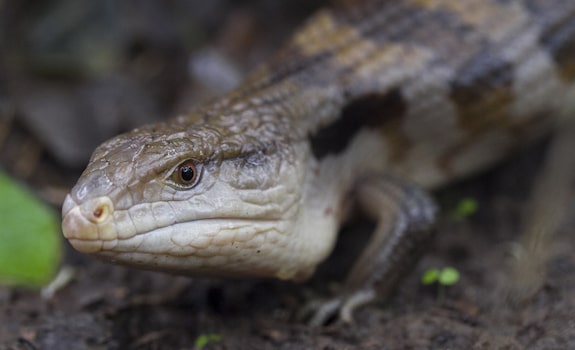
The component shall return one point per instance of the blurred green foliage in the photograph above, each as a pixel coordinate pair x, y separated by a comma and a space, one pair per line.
29, 237
206, 339
465, 208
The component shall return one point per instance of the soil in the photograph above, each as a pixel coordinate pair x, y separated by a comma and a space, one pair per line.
113, 307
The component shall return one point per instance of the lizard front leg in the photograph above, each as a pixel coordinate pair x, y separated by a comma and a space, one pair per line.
405, 215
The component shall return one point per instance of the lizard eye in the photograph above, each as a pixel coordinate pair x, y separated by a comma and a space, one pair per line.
186, 175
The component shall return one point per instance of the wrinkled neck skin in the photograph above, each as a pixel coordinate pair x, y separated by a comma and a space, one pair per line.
257, 191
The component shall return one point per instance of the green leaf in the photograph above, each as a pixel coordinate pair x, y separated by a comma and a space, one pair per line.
448, 276
430, 277
29, 237
204, 339
465, 208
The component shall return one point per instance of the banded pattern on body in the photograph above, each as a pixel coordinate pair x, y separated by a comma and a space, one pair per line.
444, 81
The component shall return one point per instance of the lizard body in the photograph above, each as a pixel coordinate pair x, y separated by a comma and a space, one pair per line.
363, 102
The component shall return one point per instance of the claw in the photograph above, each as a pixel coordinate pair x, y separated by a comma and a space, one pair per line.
325, 311
344, 306
355, 301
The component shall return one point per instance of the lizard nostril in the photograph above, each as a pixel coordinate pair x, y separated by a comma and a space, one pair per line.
98, 212
102, 209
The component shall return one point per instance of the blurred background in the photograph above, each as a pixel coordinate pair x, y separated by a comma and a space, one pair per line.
74, 73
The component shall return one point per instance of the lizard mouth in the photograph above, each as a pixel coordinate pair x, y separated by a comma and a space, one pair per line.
184, 238
92, 227
207, 247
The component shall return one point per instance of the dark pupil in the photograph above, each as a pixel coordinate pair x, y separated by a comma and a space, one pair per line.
187, 173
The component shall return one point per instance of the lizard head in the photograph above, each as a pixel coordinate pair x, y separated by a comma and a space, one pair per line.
193, 199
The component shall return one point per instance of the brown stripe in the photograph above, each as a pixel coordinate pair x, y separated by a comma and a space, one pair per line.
369, 111
482, 92
410, 24
557, 19
560, 41
494, 20
483, 96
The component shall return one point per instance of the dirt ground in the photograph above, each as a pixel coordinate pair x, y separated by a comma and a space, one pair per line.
148, 70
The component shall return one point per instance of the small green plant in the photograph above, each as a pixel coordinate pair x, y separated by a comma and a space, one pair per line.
465, 208
204, 339
444, 277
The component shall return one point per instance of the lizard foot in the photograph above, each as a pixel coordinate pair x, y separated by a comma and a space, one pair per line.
320, 312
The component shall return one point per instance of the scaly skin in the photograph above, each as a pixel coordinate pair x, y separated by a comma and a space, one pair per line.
424, 90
